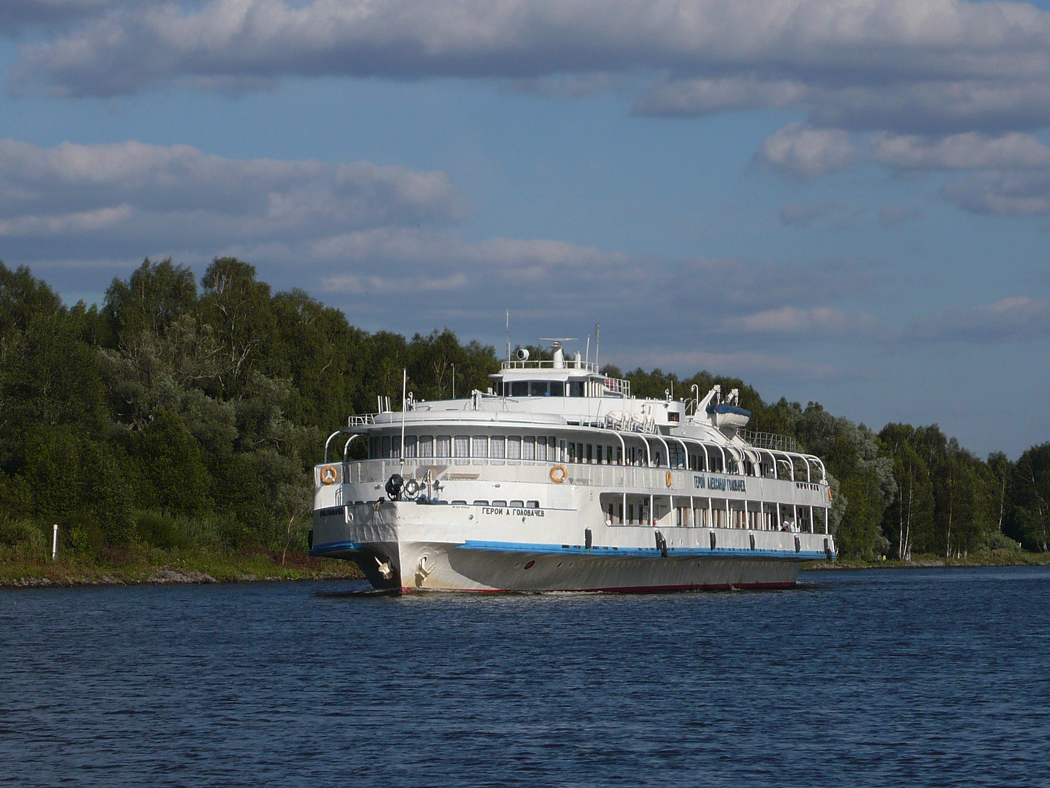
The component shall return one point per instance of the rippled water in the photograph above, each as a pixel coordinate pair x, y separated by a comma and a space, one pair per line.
879, 678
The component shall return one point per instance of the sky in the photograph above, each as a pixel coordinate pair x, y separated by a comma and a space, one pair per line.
839, 201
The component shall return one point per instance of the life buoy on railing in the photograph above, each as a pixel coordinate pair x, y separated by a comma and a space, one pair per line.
667, 478
559, 474
829, 493
329, 474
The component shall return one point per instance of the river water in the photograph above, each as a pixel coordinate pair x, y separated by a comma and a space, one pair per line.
877, 678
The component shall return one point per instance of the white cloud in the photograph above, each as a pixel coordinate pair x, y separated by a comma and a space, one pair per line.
827, 322
131, 193
1011, 319
807, 153
1003, 193
934, 67
969, 151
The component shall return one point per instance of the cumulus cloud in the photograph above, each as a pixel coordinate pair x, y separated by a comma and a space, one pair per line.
969, 151
798, 151
827, 322
935, 67
1003, 194
130, 194
1015, 318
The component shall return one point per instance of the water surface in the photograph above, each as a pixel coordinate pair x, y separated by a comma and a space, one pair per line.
878, 678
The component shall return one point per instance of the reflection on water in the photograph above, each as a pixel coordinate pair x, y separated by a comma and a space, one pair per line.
918, 677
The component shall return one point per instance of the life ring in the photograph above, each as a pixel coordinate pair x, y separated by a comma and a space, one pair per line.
559, 474
668, 478
329, 474
829, 493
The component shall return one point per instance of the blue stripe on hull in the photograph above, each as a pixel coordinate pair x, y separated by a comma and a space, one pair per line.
641, 552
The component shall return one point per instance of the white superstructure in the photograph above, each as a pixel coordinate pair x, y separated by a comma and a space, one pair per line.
558, 479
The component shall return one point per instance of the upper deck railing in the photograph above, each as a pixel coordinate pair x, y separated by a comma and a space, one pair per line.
570, 363
769, 440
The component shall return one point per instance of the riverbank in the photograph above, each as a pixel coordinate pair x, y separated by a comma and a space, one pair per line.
162, 568
986, 558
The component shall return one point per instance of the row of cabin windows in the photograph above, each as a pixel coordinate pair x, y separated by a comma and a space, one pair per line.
542, 388
545, 449
500, 447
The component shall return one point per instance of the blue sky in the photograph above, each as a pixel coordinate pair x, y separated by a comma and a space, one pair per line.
844, 202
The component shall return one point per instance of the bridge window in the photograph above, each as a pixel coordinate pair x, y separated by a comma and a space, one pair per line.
426, 445
557, 388
498, 447
461, 448
575, 388
519, 388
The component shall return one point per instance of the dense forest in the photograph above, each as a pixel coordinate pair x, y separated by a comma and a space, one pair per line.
186, 416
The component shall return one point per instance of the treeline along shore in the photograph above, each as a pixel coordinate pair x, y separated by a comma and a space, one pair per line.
172, 430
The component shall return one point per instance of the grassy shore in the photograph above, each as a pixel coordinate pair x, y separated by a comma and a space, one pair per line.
984, 558
138, 567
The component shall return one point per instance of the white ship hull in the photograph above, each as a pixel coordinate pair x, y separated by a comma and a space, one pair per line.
408, 547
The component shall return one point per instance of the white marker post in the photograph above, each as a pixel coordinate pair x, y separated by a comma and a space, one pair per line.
54, 542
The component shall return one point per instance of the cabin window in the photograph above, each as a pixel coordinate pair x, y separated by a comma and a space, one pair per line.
575, 388
519, 388
373, 448
534, 504
462, 446
459, 503
410, 446
539, 388
479, 446
395, 446
528, 448
514, 447
426, 445
517, 504
557, 388
541, 448
590, 453
498, 447
499, 503
386, 447
444, 446
481, 503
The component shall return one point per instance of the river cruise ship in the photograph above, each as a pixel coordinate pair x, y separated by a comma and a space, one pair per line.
558, 479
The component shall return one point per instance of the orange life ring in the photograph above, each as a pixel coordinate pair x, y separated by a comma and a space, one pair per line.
668, 478
559, 474
329, 474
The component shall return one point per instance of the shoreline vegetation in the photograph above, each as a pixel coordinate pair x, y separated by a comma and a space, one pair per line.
171, 434
153, 568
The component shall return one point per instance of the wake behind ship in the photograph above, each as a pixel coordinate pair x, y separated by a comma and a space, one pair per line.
557, 479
